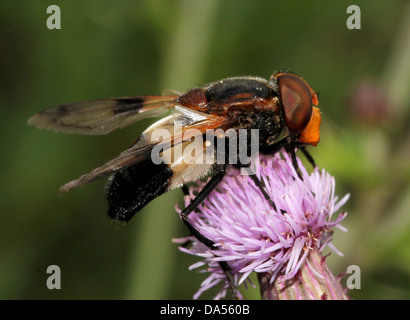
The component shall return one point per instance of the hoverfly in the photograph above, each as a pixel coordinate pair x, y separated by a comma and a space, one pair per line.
281, 109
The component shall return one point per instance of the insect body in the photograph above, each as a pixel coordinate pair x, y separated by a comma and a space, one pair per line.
281, 110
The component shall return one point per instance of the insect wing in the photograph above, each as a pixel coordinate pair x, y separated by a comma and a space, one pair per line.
96, 117
143, 148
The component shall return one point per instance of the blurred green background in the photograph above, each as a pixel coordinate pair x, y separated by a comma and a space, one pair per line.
118, 48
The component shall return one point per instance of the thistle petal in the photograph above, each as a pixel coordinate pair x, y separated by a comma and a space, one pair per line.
251, 235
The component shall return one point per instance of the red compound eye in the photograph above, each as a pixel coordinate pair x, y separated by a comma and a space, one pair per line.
296, 97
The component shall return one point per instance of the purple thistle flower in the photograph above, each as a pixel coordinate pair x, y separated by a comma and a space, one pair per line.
250, 235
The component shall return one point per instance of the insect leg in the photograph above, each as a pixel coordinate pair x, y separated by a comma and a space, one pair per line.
185, 190
201, 196
259, 183
211, 185
289, 147
272, 149
291, 150
308, 156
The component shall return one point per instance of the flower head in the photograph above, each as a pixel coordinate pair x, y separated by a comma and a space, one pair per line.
253, 237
